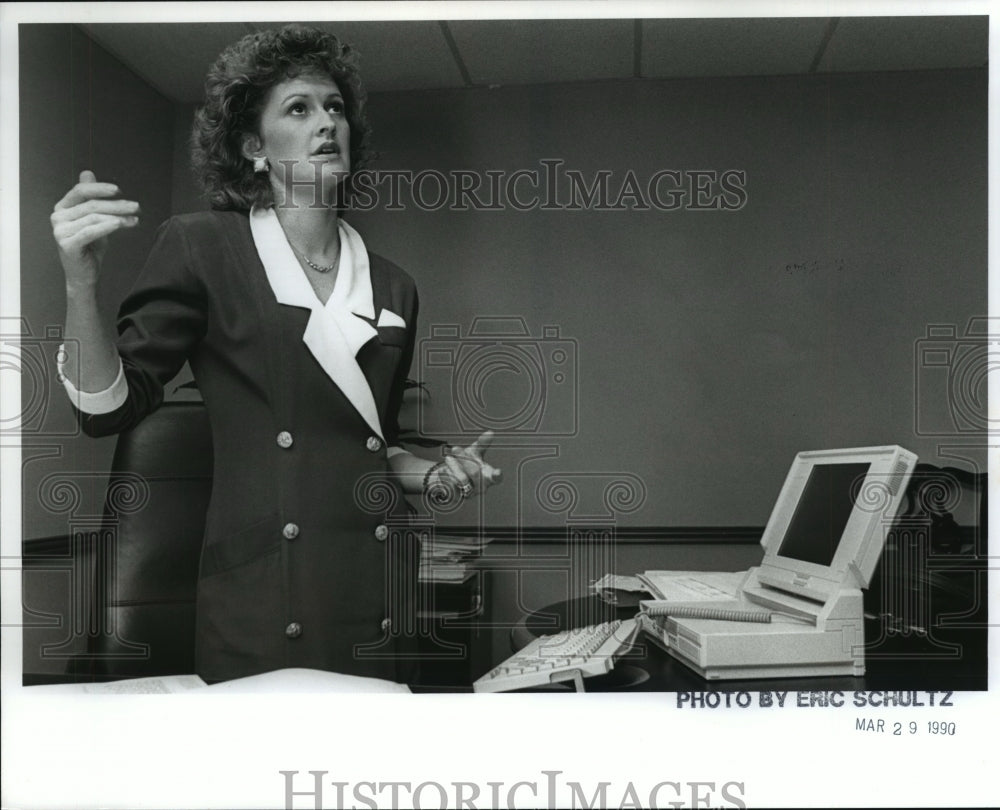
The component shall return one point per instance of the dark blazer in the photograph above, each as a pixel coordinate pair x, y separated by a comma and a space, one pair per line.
302, 565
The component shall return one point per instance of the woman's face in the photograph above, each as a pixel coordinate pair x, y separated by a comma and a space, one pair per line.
304, 134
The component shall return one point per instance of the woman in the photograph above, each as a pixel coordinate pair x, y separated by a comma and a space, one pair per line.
300, 341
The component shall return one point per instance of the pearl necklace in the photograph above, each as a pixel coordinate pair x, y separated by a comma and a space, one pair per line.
320, 268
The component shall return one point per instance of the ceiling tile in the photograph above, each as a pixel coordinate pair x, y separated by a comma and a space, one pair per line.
539, 51
730, 47
172, 57
397, 55
414, 55
907, 43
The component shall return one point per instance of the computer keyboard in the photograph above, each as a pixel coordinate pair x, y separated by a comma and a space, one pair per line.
570, 655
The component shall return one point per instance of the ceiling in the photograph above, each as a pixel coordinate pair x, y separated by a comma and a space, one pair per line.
423, 55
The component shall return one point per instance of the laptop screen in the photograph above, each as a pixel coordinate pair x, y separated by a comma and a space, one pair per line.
822, 512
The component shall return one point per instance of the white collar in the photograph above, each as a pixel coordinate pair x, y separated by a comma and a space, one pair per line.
334, 333
352, 292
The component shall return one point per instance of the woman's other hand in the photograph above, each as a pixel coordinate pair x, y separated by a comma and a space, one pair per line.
467, 471
82, 222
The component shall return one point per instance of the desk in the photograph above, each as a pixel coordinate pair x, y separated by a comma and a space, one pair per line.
647, 668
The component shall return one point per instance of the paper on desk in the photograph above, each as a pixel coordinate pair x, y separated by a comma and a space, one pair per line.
298, 681
619, 582
159, 685
287, 681
617, 589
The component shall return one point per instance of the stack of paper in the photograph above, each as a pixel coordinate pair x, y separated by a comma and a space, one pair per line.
450, 559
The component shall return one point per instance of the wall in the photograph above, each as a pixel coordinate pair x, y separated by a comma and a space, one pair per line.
185, 194
79, 109
712, 345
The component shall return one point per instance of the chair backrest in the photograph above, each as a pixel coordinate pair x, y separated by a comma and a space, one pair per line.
147, 564
912, 585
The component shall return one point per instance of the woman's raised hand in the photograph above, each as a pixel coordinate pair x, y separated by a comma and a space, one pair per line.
470, 473
81, 223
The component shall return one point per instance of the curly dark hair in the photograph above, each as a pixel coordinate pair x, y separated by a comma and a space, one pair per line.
235, 89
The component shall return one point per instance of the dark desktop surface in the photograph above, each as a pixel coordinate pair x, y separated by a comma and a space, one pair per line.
946, 659
941, 644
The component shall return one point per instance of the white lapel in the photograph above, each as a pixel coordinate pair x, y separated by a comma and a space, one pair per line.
334, 334
352, 292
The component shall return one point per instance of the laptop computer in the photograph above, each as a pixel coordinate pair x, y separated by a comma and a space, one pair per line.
799, 612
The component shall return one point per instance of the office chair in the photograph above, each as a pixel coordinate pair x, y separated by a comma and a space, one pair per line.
145, 564
928, 593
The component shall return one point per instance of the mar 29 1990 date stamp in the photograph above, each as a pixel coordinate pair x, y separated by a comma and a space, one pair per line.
879, 725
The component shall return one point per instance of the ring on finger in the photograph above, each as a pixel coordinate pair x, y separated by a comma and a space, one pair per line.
465, 490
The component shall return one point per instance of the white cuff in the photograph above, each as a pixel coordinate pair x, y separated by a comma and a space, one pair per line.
98, 402
395, 450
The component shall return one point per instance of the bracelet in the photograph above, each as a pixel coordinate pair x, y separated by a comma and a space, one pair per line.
430, 471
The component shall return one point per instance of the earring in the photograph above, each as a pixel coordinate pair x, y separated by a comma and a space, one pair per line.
260, 165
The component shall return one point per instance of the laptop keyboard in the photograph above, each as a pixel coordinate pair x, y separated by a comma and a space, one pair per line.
690, 589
